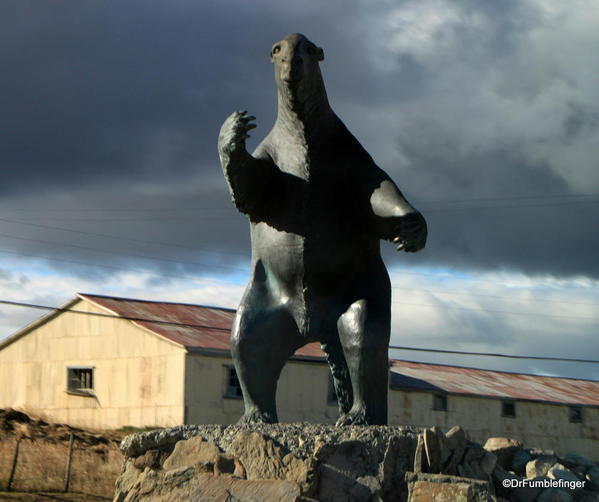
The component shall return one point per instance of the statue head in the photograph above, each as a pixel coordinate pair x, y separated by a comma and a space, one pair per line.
296, 64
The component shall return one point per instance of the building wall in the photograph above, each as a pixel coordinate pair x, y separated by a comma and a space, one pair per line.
301, 392
538, 425
138, 377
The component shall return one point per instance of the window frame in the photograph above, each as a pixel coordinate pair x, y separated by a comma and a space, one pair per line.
573, 409
505, 404
81, 391
231, 391
440, 402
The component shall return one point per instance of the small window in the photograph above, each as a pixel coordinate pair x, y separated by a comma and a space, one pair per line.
508, 409
439, 402
575, 413
331, 393
232, 386
80, 380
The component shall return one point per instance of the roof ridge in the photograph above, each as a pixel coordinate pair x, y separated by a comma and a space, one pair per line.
487, 370
139, 300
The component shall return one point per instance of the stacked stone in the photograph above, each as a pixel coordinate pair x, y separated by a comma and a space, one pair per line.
516, 463
310, 462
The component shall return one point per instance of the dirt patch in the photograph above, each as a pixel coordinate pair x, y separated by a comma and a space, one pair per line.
42, 459
51, 497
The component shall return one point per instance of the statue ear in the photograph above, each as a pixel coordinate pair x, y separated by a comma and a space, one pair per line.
320, 54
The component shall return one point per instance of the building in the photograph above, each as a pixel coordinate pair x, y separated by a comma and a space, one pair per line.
107, 362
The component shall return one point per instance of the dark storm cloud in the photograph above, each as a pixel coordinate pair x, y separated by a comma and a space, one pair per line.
110, 106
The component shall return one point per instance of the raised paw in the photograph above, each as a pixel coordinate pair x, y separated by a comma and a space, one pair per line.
411, 233
234, 132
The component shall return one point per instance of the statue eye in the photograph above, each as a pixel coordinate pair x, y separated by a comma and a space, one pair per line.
276, 49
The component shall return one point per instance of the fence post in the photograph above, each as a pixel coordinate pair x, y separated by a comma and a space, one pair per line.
14, 465
67, 474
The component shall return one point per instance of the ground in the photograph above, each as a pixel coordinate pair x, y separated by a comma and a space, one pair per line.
42, 455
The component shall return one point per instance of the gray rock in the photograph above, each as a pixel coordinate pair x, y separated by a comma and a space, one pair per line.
499, 477
420, 455
435, 447
592, 476
519, 461
339, 471
455, 458
540, 466
425, 487
559, 471
571, 460
554, 495
455, 437
587, 496
488, 463
504, 449
537, 452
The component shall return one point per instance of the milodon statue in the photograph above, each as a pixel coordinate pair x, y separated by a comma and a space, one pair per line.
318, 207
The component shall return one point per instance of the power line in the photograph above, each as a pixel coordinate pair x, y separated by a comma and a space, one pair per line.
227, 330
230, 208
493, 354
97, 250
112, 316
233, 215
499, 297
505, 312
117, 237
228, 267
112, 267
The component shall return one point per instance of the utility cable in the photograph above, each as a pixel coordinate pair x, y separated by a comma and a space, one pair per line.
214, 328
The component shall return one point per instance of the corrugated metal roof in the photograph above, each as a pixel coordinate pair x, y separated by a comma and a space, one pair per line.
497, 384
209, 328
194, 326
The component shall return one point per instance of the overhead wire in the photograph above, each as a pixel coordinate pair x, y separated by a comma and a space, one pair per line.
227, 330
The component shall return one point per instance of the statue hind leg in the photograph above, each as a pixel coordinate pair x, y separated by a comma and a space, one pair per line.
340, 372
261, 343
364, 332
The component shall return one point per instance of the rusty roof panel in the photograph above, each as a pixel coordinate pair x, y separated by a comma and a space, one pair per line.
194, 326
209, 328
490, 383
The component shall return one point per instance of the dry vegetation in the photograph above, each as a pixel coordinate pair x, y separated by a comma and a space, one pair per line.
42, 458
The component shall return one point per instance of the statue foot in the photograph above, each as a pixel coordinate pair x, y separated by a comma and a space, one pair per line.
257, 417
355, 416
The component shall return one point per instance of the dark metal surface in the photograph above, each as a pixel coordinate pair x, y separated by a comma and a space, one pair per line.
318, 207
195, 326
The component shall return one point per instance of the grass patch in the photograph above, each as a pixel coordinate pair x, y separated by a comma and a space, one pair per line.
41, 466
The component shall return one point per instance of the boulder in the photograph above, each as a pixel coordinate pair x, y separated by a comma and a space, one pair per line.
456, 442
592, 476
519, 461
504, 449
540, 466
572, 460
559, 471
443, 488
196, 450
263, 459
554, 495
345, 474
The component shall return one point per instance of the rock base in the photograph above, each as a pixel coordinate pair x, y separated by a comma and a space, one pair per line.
309, 462
303, 462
